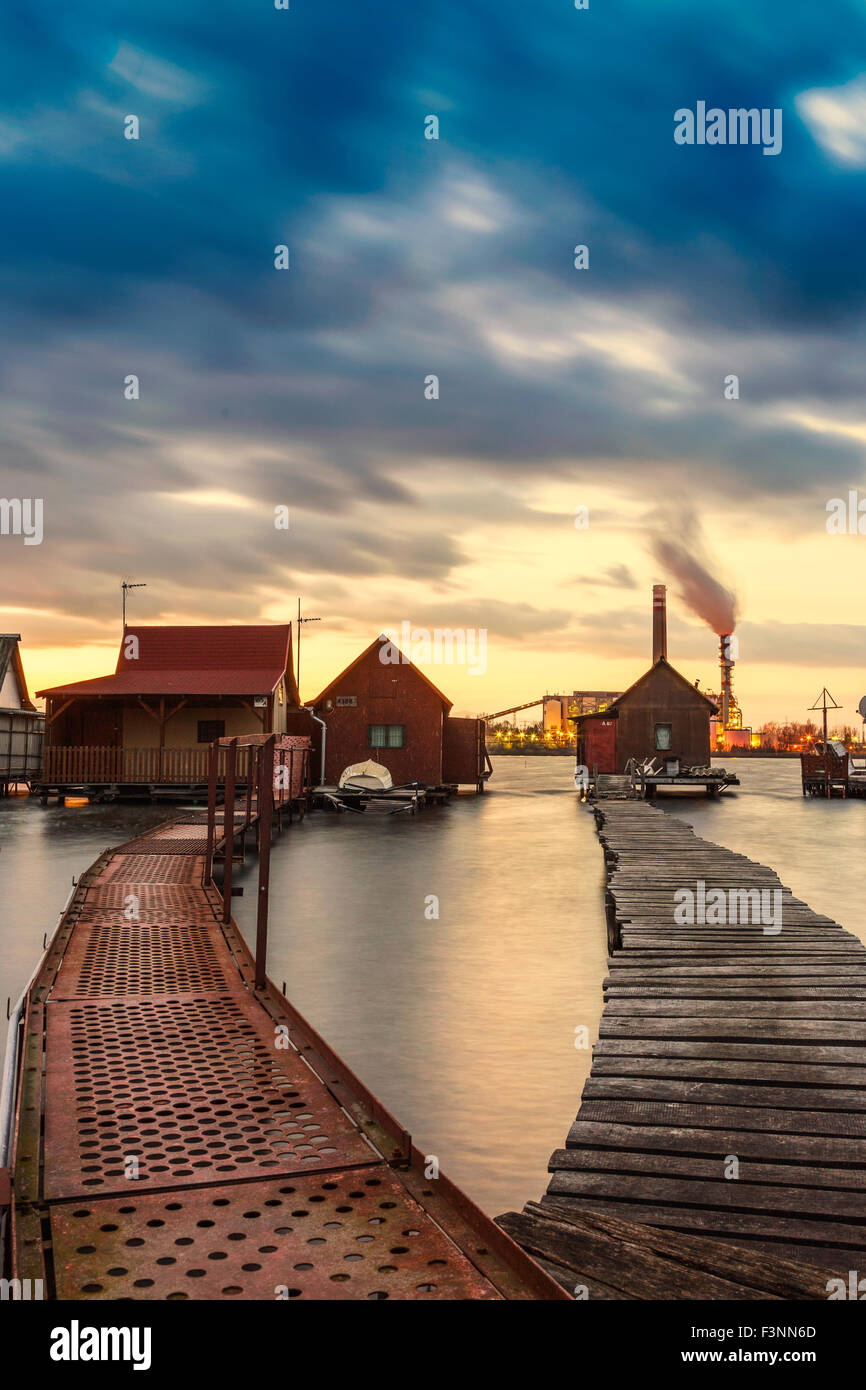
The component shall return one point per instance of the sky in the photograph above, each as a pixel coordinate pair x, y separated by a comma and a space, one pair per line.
565, 395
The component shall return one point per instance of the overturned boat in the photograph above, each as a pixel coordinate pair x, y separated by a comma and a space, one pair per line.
369, 786
368, 776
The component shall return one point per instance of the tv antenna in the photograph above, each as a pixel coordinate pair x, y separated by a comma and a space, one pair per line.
300, 621
126, 586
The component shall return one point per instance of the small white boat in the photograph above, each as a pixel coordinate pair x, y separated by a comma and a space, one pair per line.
369, 787
366, 777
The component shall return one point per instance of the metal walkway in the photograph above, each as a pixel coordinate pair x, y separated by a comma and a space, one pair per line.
727, 1097
181, 1134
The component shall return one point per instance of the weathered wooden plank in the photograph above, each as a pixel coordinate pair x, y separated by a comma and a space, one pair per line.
763, 1145
687, 1165
827, 1055
812, 1098
669, 1007
763, 1029
632, 971
730, 1225
727, 1069
737, 1195
734, 991
660, 1112
776, 1275
627, 1265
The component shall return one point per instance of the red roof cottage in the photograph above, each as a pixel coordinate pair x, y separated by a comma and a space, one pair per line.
661, 716
174, 690
390, 712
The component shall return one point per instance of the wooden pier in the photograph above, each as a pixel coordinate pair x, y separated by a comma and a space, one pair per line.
727, 1097
181, 1132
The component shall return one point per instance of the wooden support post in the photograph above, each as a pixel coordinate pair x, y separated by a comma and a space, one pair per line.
251, 762
265, 809
213, 754
229, 828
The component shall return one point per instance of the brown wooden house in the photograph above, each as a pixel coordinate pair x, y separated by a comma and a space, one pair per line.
393, 714
662, 716
174, 690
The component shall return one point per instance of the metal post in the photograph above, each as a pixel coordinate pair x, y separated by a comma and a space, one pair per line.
229, 828
265, 809
242, 846
211, 812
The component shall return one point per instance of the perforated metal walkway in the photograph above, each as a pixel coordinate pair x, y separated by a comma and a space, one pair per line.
182, 1135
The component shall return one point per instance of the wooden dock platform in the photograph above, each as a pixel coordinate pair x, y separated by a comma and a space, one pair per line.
727, 1096
181, 1132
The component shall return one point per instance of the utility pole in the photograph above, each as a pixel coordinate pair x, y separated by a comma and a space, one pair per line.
300, 621
125, 586
821, 703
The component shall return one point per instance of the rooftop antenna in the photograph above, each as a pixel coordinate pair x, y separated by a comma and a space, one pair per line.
126, 586
300, 621
821, 703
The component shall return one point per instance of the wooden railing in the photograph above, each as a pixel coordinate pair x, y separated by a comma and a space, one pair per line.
827, 764
81, 766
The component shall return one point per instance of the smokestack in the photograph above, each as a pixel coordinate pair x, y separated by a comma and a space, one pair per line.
660, 622
725, 666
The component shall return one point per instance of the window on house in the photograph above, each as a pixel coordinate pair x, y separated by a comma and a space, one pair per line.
663, 736
386, 735
209, 729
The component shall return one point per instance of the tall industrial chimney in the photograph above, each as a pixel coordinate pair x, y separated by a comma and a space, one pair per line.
725, 665
660, 622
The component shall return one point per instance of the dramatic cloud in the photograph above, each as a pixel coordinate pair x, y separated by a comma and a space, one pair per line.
410, 259
837, 118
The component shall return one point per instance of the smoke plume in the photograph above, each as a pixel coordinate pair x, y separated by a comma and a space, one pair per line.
683, 558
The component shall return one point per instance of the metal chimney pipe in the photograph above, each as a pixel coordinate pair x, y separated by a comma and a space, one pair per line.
660, 622
725, 664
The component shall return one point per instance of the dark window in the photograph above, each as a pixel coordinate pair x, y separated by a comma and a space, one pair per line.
663, 736
386, 735
209, 729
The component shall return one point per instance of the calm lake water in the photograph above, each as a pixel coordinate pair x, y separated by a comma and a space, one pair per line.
464, 1025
